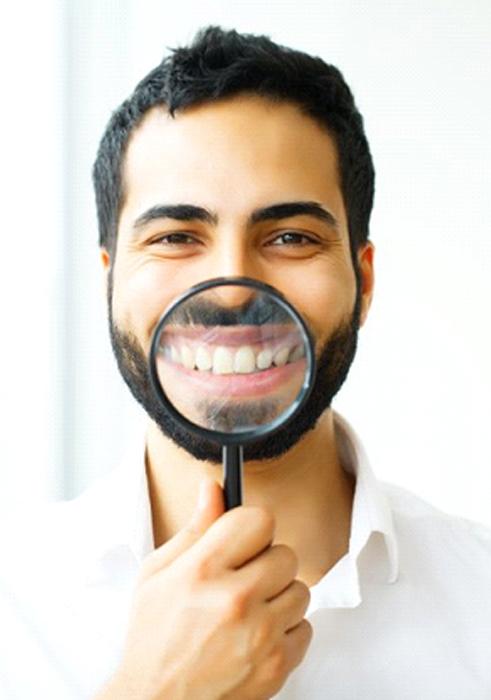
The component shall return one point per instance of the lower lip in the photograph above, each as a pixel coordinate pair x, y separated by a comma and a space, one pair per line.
256, 384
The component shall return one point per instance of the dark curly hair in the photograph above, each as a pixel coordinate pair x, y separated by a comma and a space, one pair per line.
220, 64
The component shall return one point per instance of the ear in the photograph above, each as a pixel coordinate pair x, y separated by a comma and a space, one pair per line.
365, 256
105, 258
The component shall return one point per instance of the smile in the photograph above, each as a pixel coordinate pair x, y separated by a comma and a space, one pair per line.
223, 360
230, 358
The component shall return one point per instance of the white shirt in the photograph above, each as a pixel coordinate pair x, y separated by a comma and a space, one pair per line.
404, 615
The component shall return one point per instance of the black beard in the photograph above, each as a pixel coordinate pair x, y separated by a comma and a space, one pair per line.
333, 365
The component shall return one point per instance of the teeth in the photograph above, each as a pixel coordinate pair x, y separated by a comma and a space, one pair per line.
187, 357
297, 353
203, 359
245, 360
264, 359
174, 355
223, 361
280, 357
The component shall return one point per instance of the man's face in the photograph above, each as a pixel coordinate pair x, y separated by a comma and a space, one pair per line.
235, 159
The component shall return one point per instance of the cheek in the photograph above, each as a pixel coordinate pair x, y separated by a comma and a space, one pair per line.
140, 296
326, 300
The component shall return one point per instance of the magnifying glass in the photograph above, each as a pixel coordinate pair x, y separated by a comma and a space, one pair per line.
232, 361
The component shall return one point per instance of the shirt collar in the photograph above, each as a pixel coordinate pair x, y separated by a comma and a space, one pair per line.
371, 514
121, 533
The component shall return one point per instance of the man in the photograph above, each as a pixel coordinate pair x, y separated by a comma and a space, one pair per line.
239, 157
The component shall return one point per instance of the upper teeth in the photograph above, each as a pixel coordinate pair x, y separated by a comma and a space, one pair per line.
281, 356
225, 360
203, 359
264, 359
244, 360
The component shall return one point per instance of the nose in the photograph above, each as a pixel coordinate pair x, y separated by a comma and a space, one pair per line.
234, 258
233, 296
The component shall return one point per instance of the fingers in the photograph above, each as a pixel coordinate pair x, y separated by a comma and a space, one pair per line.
209, 507
296, 642
270, 675
269, 573
229, 540
238, 536
285, 656
290, 606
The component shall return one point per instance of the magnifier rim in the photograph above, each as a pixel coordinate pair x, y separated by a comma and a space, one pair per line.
253, 434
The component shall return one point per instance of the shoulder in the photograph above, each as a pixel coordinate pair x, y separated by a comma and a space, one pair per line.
432, 539
48, 542
51, 599
416, 511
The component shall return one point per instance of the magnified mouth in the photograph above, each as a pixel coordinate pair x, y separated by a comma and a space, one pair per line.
241, 350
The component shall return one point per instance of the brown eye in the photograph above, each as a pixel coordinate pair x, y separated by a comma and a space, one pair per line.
292, 238
179, 238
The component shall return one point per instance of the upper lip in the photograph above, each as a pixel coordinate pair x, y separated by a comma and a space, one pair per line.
234, 335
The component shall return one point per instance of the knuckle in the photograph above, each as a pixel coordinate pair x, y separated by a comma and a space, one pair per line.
148, 567
304, 642
289, 557
144, 595
262, 518
309, 631
236, 606
261, 637
305, 635
276, 666
202, 569
303, 591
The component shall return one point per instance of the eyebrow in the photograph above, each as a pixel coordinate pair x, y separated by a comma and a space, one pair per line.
191, 212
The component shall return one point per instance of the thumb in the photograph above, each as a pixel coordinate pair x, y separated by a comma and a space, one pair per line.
209, 507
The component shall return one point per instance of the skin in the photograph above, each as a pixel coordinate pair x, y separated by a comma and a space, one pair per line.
233, 157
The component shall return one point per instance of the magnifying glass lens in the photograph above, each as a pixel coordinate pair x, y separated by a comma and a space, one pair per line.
231, 358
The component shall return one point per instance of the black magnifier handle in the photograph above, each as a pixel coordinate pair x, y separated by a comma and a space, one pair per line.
232, 475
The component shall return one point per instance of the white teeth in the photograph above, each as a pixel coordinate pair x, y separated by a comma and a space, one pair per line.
203, 359
297, 353
174, 355
264, 359
245, 360
280, 357
223, 361
187, 357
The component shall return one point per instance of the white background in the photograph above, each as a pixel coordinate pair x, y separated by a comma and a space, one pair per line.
419, 392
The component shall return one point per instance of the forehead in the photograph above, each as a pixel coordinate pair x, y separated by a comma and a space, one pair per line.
232, 154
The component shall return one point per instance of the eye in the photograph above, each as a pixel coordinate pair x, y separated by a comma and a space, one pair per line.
292, 238
177, 238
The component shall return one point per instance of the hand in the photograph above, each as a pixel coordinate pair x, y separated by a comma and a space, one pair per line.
217, 613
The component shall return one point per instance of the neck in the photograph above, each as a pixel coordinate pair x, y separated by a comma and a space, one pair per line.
307, 489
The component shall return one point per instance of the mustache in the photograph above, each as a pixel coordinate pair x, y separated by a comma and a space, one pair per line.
254, 312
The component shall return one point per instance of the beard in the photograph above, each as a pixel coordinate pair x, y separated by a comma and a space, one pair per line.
333, 364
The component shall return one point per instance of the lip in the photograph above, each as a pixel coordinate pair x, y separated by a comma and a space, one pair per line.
253, 385
233, 336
